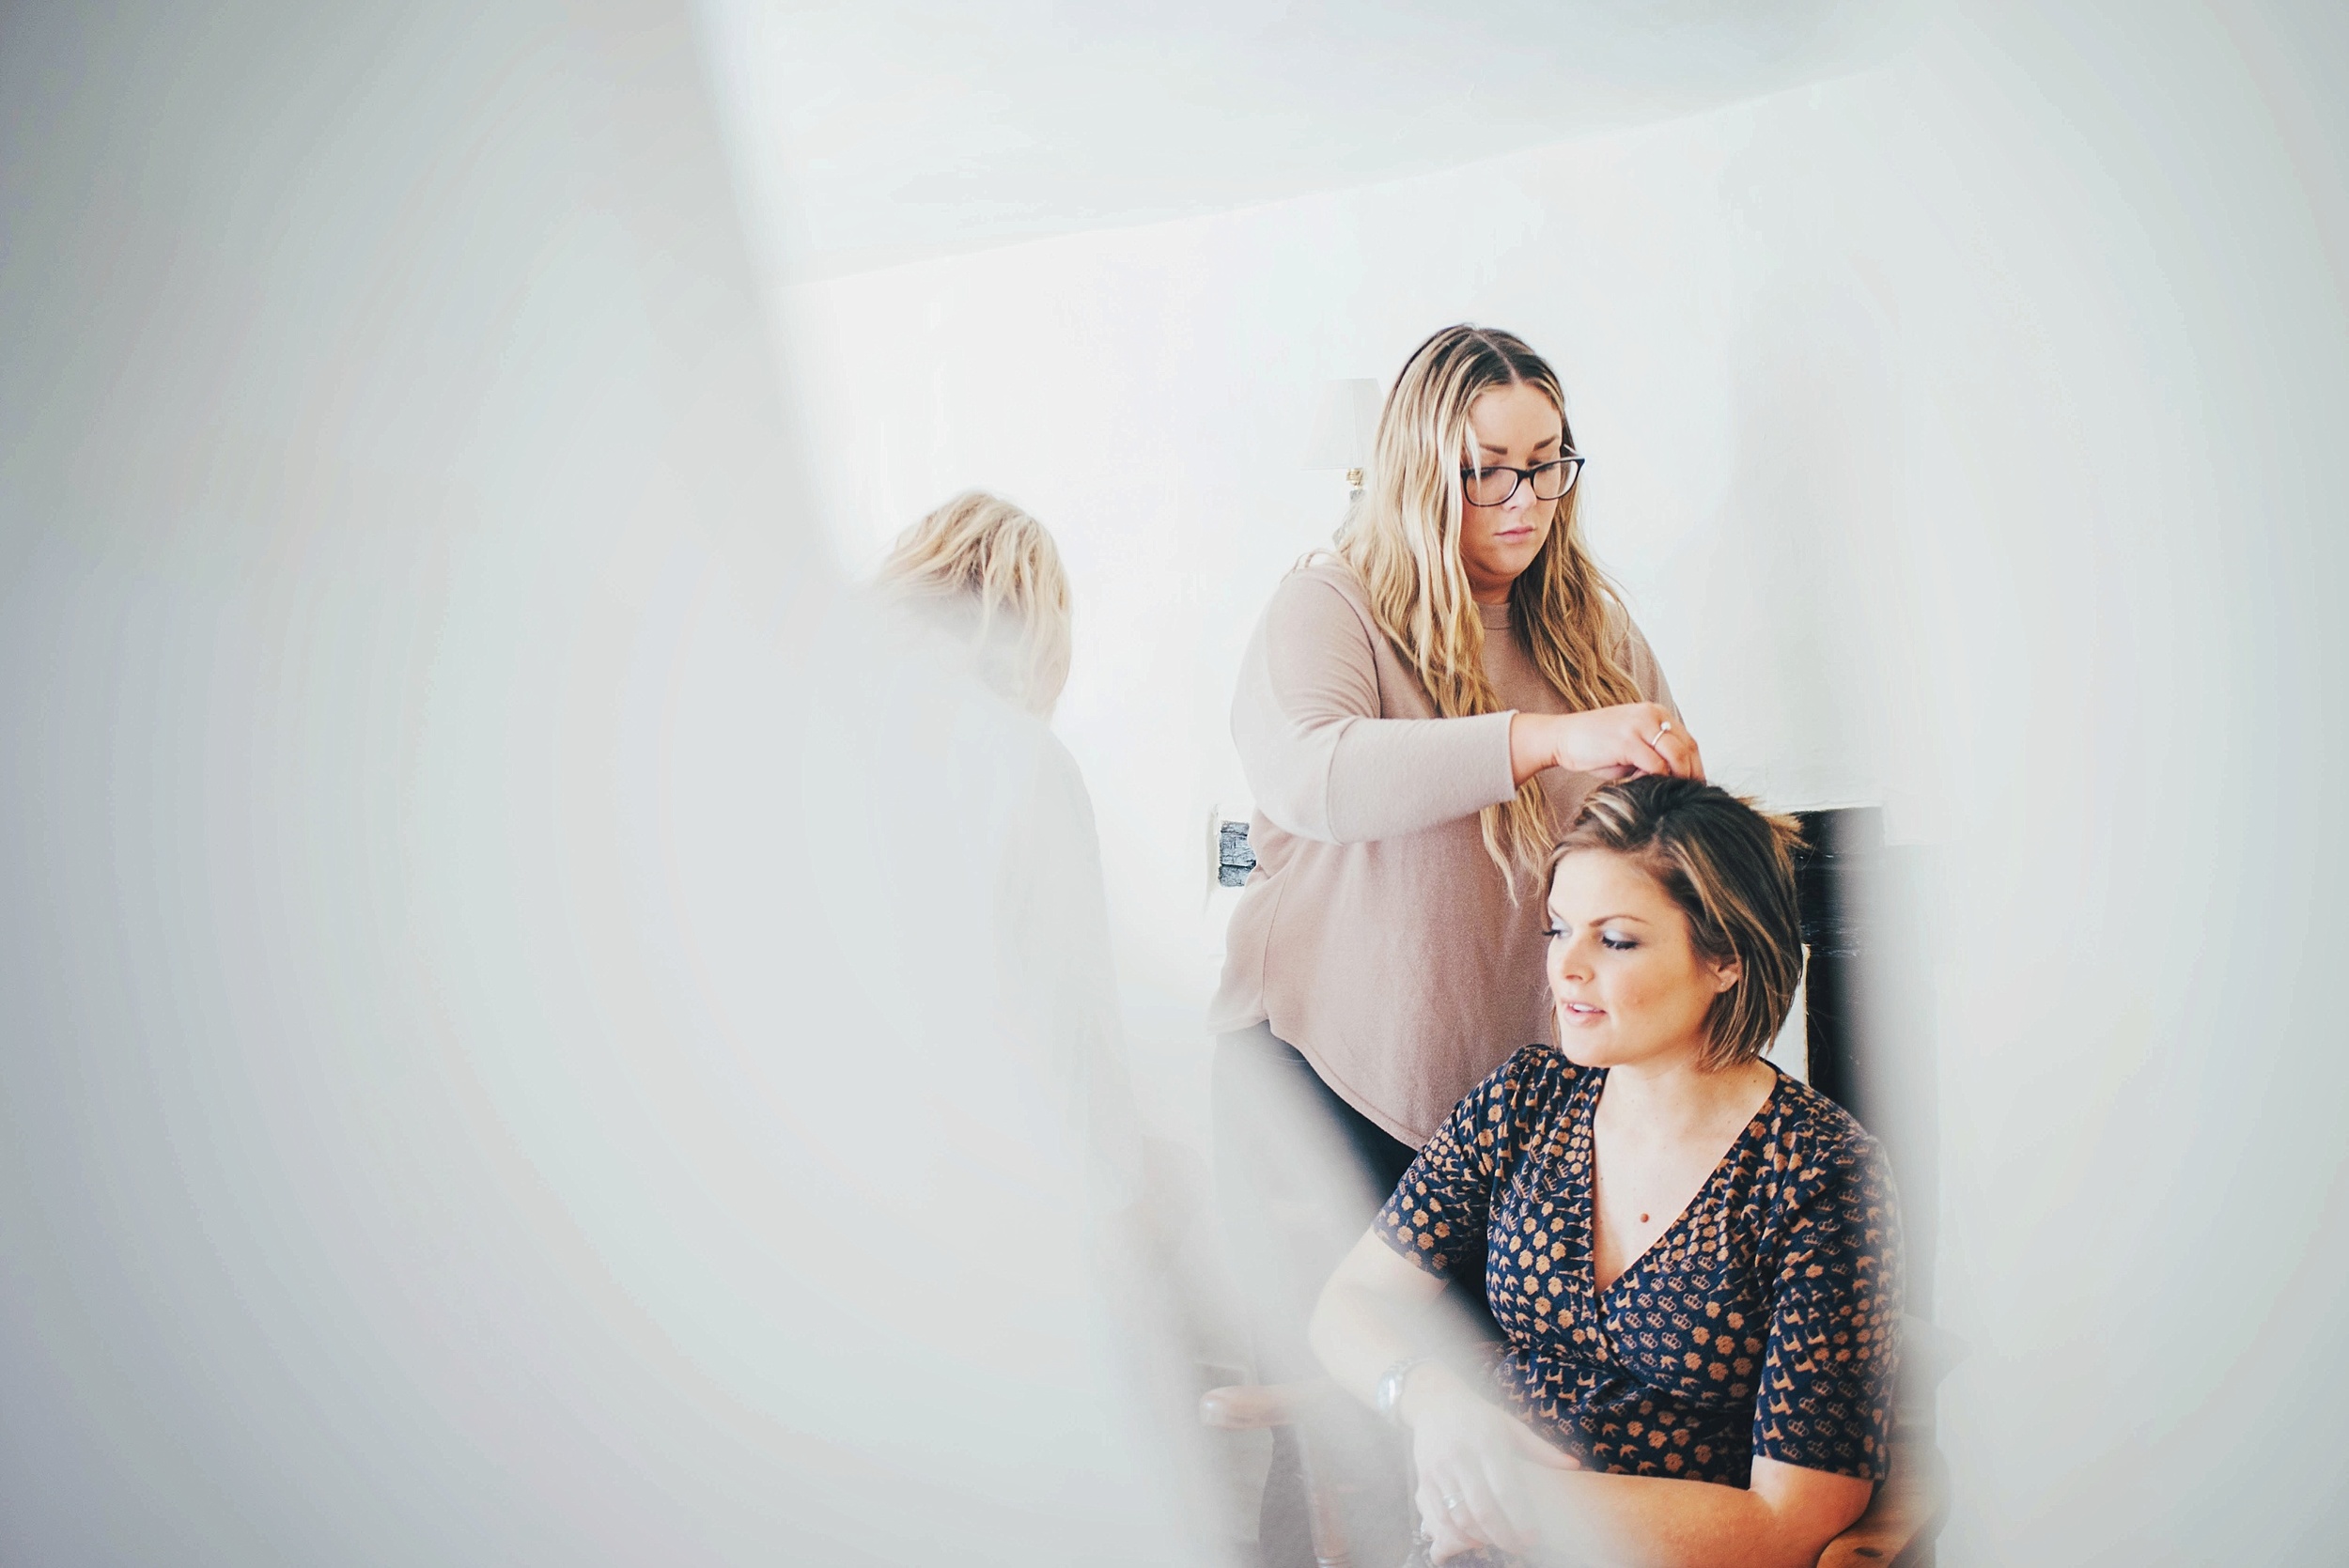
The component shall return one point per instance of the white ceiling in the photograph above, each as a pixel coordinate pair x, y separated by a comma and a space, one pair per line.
891, 130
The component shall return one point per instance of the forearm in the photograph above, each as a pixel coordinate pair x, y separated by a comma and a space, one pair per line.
1389, 777
1532, 745
1357, 1337
1323, 758
1625, 1521
1374, 1312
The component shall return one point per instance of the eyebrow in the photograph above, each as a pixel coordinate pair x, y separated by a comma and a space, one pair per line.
1502, 450
1602, 920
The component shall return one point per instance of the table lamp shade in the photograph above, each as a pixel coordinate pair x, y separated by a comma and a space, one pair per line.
1345, 417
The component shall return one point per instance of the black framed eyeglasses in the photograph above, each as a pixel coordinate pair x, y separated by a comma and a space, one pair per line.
1493, 486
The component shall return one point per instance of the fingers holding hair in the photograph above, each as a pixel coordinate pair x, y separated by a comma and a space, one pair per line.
1676, 750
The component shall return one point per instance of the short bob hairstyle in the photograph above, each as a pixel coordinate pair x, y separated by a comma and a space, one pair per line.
988, 571
1731, 869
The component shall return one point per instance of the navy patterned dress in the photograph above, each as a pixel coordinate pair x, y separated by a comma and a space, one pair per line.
1762, 1321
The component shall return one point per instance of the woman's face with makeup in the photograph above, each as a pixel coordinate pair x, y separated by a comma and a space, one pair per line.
1628, 986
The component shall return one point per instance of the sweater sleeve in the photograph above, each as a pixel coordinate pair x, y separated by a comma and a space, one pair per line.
1322, 763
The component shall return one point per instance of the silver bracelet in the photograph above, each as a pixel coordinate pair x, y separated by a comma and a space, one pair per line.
1389, 1391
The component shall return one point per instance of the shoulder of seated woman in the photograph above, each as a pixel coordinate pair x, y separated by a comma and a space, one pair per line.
1799, 1105
1542, 1060
1808, 1123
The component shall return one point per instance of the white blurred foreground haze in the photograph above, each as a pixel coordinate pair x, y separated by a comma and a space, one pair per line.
533, 1030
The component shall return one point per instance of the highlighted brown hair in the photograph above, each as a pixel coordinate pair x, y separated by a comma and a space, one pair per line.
1731, 869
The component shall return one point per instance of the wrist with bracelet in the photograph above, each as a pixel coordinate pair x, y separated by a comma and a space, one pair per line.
1387, 1399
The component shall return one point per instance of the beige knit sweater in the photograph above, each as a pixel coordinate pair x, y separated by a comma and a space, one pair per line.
1376, 933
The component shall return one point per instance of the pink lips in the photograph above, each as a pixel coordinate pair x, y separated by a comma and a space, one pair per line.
1580, 1014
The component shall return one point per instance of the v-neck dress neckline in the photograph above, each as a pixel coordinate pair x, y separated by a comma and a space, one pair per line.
1762, 1320
1583, 1193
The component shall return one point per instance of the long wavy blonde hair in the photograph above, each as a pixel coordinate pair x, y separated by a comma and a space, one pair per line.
1403, 539
988, 571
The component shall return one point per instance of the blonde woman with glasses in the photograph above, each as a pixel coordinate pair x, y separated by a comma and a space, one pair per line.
1421, 713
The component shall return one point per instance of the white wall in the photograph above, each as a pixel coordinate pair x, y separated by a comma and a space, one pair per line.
1734, 347
1733, 352
1963, 433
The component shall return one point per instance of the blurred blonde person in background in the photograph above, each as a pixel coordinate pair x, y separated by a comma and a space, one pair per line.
981, 569
984, 582
1421, 713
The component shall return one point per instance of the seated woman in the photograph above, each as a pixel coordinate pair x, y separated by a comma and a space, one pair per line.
1694, 1259
984, 573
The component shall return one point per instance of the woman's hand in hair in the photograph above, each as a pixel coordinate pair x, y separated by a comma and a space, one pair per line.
1469, 1455
1613, 742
